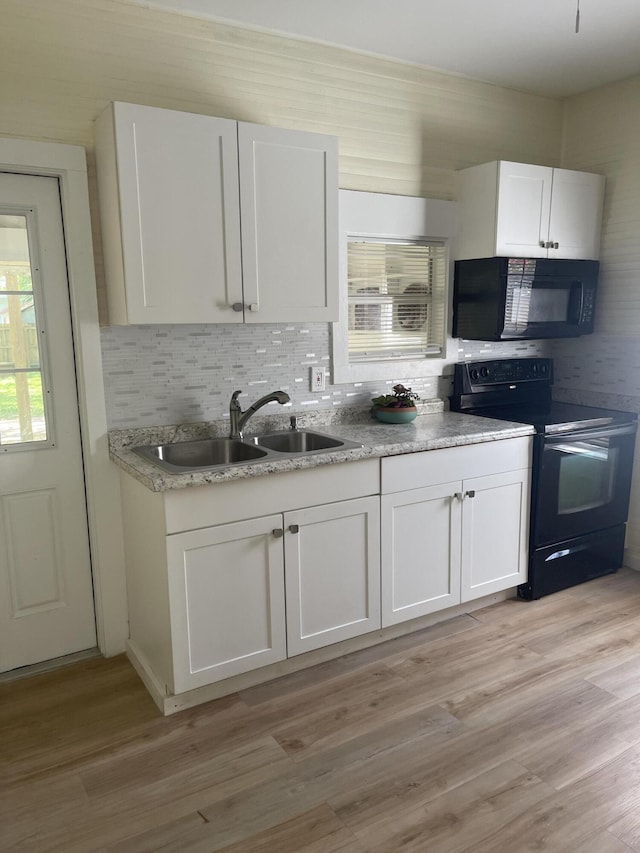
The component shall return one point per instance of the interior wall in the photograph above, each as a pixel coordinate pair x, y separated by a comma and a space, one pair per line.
601, 135
402, 130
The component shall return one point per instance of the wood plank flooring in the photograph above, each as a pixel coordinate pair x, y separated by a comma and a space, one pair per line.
516, 728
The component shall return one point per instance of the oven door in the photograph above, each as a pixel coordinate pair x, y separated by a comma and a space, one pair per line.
582, 482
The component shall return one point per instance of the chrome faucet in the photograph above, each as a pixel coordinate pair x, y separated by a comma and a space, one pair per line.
239, 418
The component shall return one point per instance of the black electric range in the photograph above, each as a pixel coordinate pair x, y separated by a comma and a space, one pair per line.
581, 470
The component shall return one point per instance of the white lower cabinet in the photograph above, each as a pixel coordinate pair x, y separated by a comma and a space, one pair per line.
228, 586
495, 517
229, 578
332, 572
226, 598
420, 552
454, 540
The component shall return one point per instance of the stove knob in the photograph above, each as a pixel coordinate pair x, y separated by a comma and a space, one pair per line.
534, 368
484, 372
473, 373
544, 369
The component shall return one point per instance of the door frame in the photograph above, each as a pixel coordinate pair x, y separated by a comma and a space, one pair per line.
68, 163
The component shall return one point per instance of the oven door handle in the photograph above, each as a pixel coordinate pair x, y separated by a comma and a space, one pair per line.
594, 432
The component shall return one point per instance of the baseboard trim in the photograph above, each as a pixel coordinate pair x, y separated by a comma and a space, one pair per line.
170, 703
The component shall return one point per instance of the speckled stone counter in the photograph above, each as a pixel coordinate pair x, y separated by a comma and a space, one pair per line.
429, 431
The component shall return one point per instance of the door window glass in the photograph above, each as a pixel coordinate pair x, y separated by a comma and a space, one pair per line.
22, 388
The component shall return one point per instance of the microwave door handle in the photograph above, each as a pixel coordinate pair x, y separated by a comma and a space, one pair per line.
576, 300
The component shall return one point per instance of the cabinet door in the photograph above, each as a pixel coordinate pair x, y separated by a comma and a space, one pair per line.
420, 552
179, 213
332, 558
576, 214
495, 518
289, 204
226, 594
524, 204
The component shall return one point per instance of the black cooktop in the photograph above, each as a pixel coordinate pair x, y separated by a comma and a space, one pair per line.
519, 389
555, 417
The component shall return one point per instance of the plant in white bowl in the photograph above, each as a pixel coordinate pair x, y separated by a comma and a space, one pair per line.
396, 408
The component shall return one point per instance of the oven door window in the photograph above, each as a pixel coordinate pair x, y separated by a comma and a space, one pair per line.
586, 475
583, 483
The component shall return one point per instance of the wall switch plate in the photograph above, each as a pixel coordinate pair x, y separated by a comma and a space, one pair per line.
317, 379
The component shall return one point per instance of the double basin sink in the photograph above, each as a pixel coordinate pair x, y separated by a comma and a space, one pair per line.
211, 453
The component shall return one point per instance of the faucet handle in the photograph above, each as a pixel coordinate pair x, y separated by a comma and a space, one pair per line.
293, 422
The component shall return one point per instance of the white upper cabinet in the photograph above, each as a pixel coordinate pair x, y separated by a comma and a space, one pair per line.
207, 220
289, 214
521, 210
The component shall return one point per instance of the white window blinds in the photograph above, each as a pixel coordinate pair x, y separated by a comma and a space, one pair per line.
396, 299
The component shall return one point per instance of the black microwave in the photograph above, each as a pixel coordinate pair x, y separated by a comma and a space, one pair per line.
504, 299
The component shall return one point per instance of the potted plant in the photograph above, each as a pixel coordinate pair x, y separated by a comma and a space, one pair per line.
396, 408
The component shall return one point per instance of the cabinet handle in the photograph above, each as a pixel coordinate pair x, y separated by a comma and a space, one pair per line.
238, 306
471, 493
457, 496
294, 528
556, 245
277, 532
543, 245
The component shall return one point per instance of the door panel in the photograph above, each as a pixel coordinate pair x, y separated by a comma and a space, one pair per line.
46, 593
494, 533
332, 557
226, 593
420, 552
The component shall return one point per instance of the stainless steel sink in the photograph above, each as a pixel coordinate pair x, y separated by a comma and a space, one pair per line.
297, 441
197, 455
294, 441
209, 453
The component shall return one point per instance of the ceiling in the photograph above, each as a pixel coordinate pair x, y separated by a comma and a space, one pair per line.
523, 44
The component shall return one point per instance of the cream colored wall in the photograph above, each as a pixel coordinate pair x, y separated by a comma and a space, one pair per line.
402, 129
601, 135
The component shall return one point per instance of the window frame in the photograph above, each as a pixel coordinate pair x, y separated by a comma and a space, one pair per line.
379, 216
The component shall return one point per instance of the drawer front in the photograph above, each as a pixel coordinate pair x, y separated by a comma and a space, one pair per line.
431, 467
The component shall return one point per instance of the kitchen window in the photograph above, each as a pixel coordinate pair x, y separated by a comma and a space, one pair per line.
394, 275
396, 299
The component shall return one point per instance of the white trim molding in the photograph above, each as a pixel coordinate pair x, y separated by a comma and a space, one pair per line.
68, 164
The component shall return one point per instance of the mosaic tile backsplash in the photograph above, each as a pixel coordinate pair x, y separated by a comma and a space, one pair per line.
161, 375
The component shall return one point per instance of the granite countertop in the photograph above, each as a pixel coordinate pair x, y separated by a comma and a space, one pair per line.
431, 430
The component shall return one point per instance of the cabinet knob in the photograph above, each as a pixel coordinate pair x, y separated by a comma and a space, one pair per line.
277, 532
238, 306
457, 496
543, 245
556, 245
294, 528
254, 307
471, 493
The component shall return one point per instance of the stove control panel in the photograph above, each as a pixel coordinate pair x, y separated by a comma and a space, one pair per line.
476, 376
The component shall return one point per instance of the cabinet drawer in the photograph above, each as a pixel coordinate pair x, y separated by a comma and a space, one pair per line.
431, 467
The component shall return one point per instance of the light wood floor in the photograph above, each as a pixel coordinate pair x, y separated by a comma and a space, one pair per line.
515, 729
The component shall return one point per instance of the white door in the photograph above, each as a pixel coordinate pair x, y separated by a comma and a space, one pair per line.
420, 552
226, 596
495, 517
289, 224
46, 594
524, 202
177, 242
332, 571
576, 214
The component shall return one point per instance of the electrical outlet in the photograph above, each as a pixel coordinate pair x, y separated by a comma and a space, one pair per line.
317, 379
